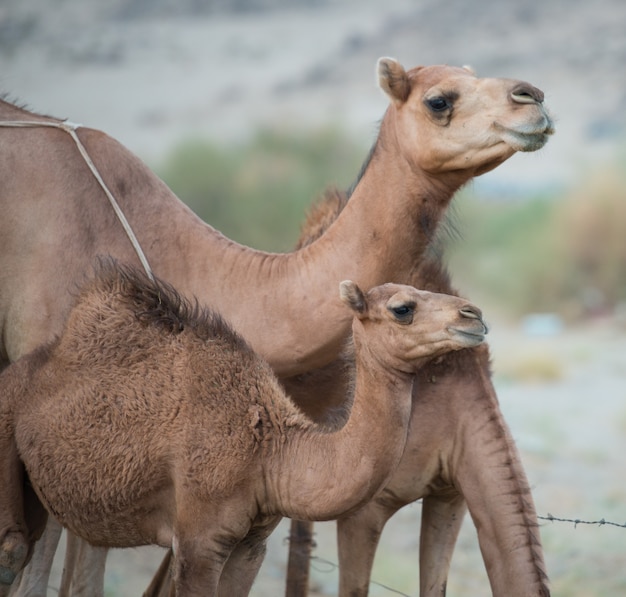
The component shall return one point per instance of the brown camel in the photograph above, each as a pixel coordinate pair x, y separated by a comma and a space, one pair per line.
150, 421
459, 455
443, 127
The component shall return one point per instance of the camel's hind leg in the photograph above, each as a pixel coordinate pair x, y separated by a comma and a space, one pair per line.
83, 571
162, 584
35, 577
301, 545
357, 539
442, 517
14, 540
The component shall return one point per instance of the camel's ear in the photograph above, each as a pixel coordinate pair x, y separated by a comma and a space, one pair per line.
353, 297
393, 80
469, 69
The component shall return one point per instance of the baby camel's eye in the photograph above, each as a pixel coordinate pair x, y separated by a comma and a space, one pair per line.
438, 104
403, 313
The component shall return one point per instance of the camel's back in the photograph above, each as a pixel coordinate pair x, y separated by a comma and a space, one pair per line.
56, 220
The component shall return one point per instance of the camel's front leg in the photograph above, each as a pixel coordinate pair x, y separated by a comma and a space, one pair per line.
206, 536
198, 566
357, 539
245, 561
442, 517
237, 575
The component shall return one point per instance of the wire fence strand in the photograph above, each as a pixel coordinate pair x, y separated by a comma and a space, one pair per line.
577, 521
325, 566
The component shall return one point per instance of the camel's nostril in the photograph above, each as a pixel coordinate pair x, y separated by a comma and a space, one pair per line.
525, 93
471, 312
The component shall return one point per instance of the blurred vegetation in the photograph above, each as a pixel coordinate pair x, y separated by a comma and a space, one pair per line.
563, 253
258, 193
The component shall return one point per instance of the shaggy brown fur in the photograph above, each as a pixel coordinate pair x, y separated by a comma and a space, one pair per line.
151, 421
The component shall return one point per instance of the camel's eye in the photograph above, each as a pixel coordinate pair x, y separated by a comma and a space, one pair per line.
404, 312
438, 104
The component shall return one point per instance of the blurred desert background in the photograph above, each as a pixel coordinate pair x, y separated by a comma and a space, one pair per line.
249, 108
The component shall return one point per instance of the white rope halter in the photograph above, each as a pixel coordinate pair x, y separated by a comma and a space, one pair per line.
70, 128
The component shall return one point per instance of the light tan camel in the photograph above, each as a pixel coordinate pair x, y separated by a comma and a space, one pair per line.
443, 127
150, 421
459, 455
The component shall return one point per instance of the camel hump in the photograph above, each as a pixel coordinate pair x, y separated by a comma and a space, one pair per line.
122, 295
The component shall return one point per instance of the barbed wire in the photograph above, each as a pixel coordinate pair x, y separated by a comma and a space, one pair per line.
332, 566
326, 566
577, 521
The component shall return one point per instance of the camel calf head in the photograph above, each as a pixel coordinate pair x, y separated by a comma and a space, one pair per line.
403, 327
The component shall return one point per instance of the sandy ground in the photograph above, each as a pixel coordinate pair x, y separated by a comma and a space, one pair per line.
151, 82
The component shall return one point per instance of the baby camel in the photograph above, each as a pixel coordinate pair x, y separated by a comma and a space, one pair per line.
149, 421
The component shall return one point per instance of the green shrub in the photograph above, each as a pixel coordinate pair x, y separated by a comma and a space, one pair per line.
564, 253
503, 246
257, 193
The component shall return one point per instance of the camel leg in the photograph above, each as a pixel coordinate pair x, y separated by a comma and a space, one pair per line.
205, 537
162, 584
69, 564
246, 559
198, 566
14, 544
442, 517
300, 546
83, 571
35, 577
357, 539
241, 569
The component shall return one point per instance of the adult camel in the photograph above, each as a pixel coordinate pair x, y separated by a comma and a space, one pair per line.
459, 456
191, 439
443, 127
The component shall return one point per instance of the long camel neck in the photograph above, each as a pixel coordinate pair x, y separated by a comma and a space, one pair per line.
287, 305
318, 474
488, 467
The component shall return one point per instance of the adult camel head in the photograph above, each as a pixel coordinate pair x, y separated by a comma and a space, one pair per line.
445, 118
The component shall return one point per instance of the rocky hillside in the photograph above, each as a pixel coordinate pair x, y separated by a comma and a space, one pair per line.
150, 73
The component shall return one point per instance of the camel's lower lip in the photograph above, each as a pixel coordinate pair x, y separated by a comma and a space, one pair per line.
527, 140
475, 337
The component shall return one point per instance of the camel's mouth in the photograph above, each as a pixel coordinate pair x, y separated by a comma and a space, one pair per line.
527, 138
470, 336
